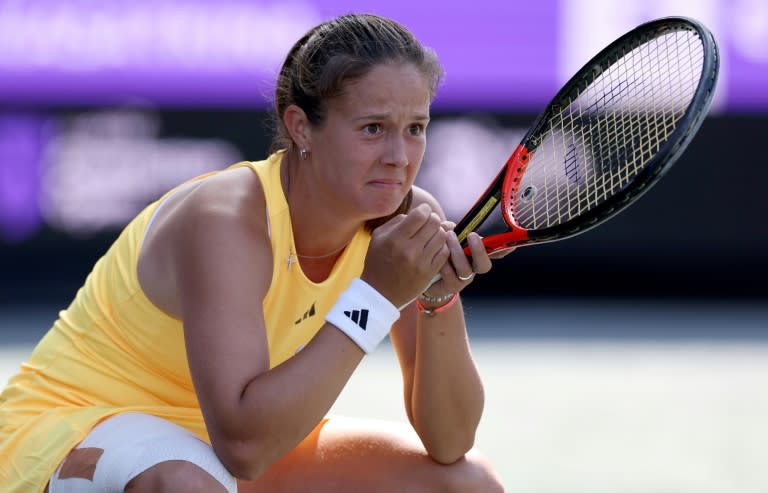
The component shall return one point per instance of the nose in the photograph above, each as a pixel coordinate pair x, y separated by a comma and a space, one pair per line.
398, 155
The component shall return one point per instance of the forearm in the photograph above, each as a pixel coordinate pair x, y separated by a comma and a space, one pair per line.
447, 397
279, 408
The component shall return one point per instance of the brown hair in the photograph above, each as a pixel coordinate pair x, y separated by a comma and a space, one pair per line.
336, 52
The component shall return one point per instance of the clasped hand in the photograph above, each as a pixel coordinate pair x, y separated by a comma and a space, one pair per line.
409, 251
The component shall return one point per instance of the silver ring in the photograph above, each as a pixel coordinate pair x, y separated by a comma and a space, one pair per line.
462, 278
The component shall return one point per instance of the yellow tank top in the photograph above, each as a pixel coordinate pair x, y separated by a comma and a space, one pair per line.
113, 351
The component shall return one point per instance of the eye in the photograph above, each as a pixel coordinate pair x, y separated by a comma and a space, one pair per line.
416, 129
372, 129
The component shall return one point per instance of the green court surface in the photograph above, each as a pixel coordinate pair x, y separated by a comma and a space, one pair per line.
571, 417
579, 400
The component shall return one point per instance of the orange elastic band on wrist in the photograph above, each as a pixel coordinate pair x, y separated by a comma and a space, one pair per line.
434, 311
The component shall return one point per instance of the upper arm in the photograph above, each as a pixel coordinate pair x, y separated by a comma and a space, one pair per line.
222, 266
421, 196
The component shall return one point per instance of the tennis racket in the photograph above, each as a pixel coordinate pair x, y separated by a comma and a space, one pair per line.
607, 136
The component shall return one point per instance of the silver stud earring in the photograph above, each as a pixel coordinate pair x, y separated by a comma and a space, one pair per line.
304, 153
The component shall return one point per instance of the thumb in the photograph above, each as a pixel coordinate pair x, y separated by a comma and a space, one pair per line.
391, 224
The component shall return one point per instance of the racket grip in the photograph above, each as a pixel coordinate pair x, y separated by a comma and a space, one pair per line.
431, 283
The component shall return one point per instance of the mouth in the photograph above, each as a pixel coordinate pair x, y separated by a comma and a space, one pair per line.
386, 183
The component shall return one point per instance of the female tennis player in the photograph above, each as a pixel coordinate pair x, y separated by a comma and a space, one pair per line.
206, 347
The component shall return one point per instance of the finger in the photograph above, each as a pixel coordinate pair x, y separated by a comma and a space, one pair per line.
462, 267
502, 253
427, 231
448, 225
481, 262
436, 245
414, 220
388, 226
440, 259
448, 281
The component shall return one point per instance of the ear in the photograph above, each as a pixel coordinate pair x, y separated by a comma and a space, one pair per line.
297, 124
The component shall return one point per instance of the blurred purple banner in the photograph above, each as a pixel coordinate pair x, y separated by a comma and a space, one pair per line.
22, 139
499, 55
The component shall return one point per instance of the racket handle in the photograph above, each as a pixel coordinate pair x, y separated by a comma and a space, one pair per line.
431, 283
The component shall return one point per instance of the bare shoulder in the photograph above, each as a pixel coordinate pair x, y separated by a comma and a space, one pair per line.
218, 222
228, 193
231, 200
421, 196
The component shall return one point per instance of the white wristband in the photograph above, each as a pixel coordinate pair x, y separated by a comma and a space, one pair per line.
363, 314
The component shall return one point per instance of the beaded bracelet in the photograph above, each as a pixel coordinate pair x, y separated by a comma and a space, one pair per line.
448, 301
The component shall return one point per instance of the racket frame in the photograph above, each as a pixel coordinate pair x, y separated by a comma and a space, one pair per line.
503, 189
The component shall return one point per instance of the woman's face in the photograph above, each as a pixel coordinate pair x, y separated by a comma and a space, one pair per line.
367, 152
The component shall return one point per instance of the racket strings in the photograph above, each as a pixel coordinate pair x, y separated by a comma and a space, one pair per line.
610, 131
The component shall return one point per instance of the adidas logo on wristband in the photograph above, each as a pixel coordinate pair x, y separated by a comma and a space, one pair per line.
375, 320
360, 317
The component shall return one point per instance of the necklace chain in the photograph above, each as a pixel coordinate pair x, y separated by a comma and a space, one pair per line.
318, 257
294, 256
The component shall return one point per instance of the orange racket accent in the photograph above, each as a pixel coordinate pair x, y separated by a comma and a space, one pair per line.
516, 165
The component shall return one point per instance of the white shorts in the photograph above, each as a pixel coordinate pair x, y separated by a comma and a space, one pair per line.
125, 445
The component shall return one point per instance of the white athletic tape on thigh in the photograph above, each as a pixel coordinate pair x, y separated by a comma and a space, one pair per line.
363, 314
133, 443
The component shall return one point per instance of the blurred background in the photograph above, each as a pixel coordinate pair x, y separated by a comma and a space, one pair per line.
631, 358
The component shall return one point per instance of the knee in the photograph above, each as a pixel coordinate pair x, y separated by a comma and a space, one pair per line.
173, 476
472, 473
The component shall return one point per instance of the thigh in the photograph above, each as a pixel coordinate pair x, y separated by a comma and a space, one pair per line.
124, 447
353, 455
